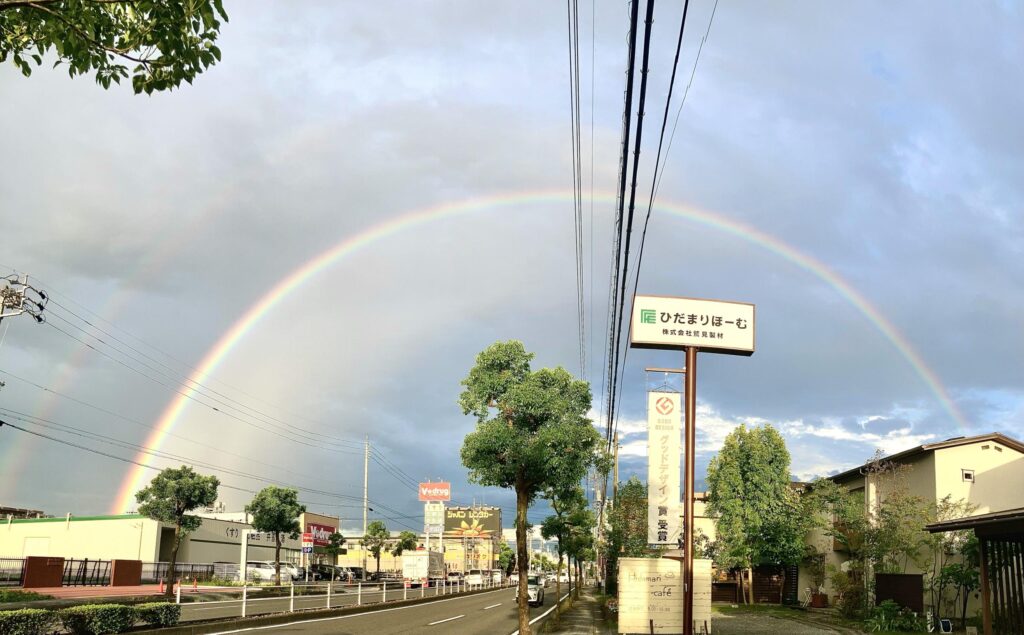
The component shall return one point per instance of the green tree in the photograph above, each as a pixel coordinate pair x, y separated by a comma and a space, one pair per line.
757, 510
565, 502
169, 497
627, 531
531, 432
579, 541
407, 540
164, 42
276, 510
376, 538
335, 547
506, 557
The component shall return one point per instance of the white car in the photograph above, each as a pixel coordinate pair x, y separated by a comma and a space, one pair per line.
475, 577
563, 577
534, 590
259, 571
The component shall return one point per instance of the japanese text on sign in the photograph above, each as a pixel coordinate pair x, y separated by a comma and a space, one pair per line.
663, 451
712, 325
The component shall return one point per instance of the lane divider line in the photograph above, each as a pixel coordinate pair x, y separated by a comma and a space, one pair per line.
345, 617
447, 620
492, 606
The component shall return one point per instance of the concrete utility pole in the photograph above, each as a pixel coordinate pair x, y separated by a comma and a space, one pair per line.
366, 497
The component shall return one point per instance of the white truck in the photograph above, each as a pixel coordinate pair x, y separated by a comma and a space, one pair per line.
420, 567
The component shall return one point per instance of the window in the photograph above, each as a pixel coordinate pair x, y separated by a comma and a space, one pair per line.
967, 475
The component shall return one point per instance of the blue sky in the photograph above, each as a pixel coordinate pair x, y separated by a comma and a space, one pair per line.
885, 147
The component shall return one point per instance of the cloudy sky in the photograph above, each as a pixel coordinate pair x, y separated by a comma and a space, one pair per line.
852, 169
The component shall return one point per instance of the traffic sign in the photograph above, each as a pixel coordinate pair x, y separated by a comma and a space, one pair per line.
308, 549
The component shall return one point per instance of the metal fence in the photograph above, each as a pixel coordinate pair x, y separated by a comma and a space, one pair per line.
86, 572
154, 572
12, 571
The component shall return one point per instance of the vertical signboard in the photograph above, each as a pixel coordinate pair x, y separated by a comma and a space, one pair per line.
663, 451
650, 590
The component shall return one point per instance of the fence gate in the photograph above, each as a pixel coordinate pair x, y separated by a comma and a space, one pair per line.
86, 572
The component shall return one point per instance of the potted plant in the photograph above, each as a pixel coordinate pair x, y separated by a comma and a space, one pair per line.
816, 567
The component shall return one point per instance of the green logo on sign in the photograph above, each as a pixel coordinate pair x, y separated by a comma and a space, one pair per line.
647, 316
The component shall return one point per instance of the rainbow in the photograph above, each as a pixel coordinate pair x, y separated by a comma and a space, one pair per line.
135, 479
155, 260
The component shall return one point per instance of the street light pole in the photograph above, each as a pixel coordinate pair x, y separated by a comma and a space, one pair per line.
366, 498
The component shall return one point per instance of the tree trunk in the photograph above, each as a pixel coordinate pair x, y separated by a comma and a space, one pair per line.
169, 590
523, 558
558, 580
750, 585
568, 572
277, 558
782, 588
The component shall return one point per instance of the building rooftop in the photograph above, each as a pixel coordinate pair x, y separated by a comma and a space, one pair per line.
914, 452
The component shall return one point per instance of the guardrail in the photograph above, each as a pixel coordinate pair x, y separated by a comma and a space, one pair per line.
265, 600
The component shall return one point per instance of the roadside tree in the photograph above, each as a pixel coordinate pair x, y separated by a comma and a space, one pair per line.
531, 433
407, 540
276, 510
627, 533
166, 43
758, 514
376, 539
170, 496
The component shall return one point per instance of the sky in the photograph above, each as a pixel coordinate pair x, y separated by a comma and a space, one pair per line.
852, 169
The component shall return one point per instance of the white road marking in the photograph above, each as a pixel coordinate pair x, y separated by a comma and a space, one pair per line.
492, 606
545, 613
347, 617
447, 620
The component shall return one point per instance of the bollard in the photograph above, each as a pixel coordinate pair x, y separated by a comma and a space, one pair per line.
329, 584
405, 591
245, 594
195, 583
384, 597
423, 590
359, 594
291, 598
161, 586
177, 593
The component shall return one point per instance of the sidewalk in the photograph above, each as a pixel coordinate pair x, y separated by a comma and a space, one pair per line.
584, 618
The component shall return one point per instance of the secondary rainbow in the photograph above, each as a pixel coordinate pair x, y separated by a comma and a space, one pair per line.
135, 479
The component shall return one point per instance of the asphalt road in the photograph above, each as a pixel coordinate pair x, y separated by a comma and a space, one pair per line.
489, 613
255, 605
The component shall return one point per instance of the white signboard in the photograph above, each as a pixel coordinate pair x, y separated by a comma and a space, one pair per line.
663, 453
710, 325
652, 589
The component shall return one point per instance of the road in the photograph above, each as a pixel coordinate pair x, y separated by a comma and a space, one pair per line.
488, 613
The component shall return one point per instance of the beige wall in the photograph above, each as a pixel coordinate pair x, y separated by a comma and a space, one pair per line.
998, 473
133, 537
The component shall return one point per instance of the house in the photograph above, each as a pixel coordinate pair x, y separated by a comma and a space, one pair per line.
978, 470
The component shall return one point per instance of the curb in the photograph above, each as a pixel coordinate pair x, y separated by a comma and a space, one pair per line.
213, 626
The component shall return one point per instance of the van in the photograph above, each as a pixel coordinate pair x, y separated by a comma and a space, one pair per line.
475, 577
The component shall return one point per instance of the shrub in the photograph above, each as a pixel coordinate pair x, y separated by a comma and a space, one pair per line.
95, 619
159, 613
26, 621
17, 595
889, 616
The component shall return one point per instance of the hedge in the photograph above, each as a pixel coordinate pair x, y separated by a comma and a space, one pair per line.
27, 622
158, 613
96, 619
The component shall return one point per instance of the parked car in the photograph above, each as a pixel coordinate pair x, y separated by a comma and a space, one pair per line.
534, 590
330, 572
513, 578
289, 571
454, 577
475, 577
563, 577
259, 571
359, 573
496, 576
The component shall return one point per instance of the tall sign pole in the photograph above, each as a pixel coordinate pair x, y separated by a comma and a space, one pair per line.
689, 442
691, 325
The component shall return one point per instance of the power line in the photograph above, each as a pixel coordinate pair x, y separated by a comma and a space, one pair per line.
227, 486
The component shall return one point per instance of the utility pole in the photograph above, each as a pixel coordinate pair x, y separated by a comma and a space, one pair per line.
14, 301
366, 497
615, 478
